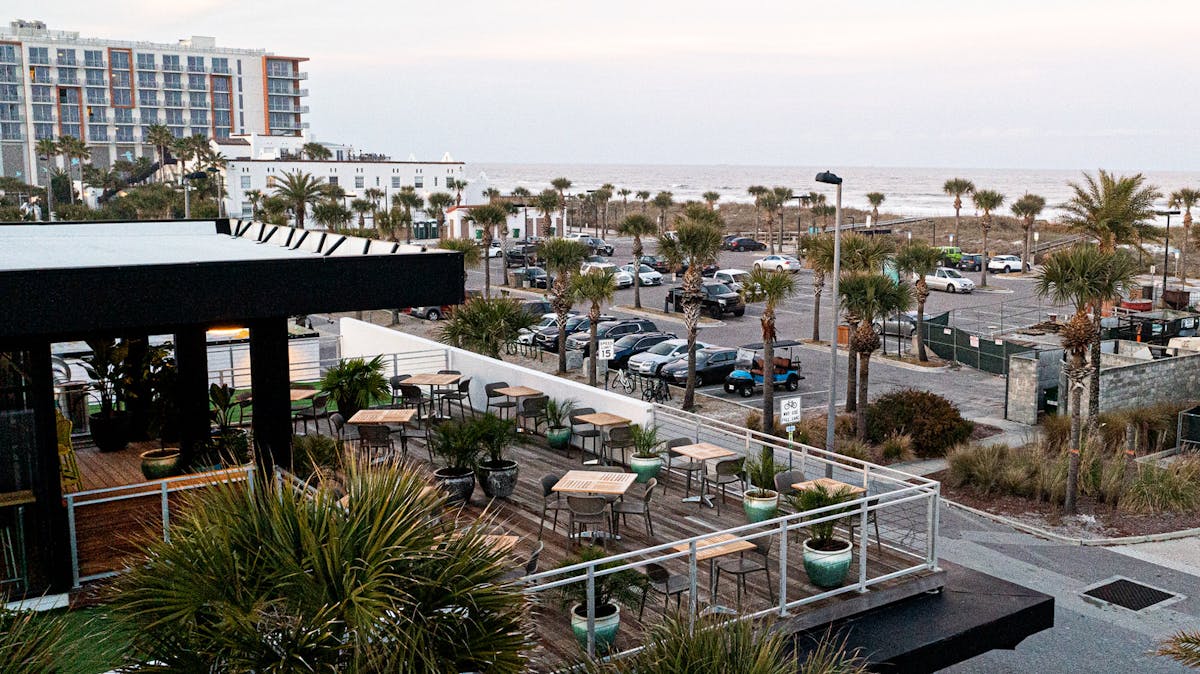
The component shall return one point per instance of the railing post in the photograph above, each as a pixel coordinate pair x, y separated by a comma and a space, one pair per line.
937, 519
591, 611
783, 567
693, 603
862, 544
74, 542
166, 512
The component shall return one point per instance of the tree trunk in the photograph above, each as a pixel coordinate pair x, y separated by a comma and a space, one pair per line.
851, 369
561, 308
983, 267
922, 295
864, 372
1075, 375
1093, 415
770, 233
818, 287
594, 315
957, 219
1187, 231
637, 277
768, 400
691, 318
487, 265
1026, 245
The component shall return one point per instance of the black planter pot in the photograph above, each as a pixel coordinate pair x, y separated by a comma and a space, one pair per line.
347, 408
498, 478
458, 485
111, 434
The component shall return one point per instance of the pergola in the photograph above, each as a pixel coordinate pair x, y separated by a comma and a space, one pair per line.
75, 281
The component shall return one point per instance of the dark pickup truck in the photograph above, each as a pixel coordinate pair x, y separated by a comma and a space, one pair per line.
718, 299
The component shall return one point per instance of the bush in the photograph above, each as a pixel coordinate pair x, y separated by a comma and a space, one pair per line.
896, 447
984, 467
314, 452
933, 423
1056, 431
1175, 488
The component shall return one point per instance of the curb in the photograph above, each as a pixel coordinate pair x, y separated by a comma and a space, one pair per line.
663, 316
994, 291
909, 366
1087, 542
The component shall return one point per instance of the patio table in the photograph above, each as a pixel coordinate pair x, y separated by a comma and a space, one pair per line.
702, 451
299, 394
433, 381
830, 485
731, 545
601, 420
382, 417
516, 393
595, 482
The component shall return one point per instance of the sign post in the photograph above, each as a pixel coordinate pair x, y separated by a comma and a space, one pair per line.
789, 413
605, 349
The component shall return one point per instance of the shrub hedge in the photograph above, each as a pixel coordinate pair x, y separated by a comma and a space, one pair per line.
932, 422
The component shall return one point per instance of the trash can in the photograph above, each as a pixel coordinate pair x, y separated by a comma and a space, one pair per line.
516, 279
843, 335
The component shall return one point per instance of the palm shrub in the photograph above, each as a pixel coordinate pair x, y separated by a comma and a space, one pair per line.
624, 588
674, 646
458, 444
268, 579
760, 472
645, 441
355, 384
819, 496
495, 435
33, 643
485, 325
933, 422
1182, 647
593, 288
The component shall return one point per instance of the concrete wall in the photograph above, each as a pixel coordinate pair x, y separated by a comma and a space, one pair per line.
361, 339
1029, 375
1149, 382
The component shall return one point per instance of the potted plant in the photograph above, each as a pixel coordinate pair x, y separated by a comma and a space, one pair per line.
611, 591
761, 501
355, 384
647, 456
160, 463
826, 559
107, 370
456, 443
497, 475
558, 422
230, 443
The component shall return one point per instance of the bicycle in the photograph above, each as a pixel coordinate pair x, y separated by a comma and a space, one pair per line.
655, 391
621, 380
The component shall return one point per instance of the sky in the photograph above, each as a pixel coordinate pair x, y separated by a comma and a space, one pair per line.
966, 83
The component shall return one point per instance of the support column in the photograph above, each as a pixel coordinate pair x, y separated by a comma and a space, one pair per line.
191, 357
271, 383
51, 537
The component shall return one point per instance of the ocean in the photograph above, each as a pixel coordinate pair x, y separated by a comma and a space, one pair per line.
908, 191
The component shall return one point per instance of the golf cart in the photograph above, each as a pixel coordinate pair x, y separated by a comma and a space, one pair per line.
747, 378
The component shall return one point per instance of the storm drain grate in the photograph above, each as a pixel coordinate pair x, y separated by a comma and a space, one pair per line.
1128, 594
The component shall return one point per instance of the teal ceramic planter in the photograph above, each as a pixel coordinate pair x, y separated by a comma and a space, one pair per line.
827, 569
160, 463
606, 626
760, 508
645, 468
558, 437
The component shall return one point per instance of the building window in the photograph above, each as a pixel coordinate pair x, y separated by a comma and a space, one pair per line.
172, 81
65, 57
9, 92
10, 131
174, 117
9, 74
122, 98
39, 55
200, 131
245, 182
10, 112
247, 210
43, 113
173, 99
195, 64
270, 182
149, 115
94, 78
333, 180
418, 181
124, 134
43, 130
147, 80
67, 76
119, 59
95, 96
220, 65
198, 99
41, 94
97, 132
358, 182
145, 61
41, 74
149, 98
123, 115
170, 62
93, 58
199, 117
8, 53
435, 181
120, 78
197, 82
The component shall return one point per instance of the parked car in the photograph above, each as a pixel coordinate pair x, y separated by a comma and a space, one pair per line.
713, 364
745, 243
648, 276
657, 262
727, 238
779, 263
1005, 264
651, 361
525, 335
535, 276
950, 255
436, 313
537, 307
736, 279
493, 251
611, 329
624, 279
596, 245
595, 258
630, 345
970, 262
949, 280
904, 324
517, 256
547, 337
717, 301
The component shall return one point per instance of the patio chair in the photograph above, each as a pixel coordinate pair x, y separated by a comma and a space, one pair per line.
785, 480
742, 567
853, 519
338, 423
586, 513
728, 471
317, 411
412, 397
68, 467
439, 392
372, 438
587, 432
504, 407
244, 404
461, 393
394, 382
529, 567
551, 501
620, 438
625, 507
681, 463
665, 583
533, 408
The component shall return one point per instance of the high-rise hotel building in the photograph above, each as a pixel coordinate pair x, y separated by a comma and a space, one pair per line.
108, 92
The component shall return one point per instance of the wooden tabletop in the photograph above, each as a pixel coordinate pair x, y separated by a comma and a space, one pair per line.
299, 394
429, 379
371, 417
595, 482
518, 391
732, 545
703, 451
601, 419
831, 485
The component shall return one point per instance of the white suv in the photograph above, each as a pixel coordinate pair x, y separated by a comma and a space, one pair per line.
623, 278
1005, 264
949, 280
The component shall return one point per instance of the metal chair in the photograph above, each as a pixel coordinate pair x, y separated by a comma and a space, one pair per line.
529, 567
551, 501
665, 583
337, 422
619, 438
461, 393
372, 438
588, 432
245, 408
317, 411
533, 408
728, 471
785, 480
503, 405
872, 519
439, 392
394, 382
742, 567
681, 463
623, 508
412, 397
589, 511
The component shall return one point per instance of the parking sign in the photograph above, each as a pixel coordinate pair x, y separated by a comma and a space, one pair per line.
604, 349
789, 410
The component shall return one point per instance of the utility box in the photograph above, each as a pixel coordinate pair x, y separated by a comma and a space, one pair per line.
843, 336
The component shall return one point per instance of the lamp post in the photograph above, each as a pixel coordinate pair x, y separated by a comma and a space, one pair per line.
1033, 254
212, 173
1166, 252
832, 179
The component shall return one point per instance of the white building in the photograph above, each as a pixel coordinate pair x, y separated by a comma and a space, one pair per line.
107, 92
526, 222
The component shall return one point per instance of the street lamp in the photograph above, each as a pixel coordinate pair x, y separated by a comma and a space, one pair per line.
212, 172
1033, 254
1166, 252
832, 179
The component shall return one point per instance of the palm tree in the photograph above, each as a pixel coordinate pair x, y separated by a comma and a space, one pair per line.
76, 152
331, 215
876, 200
297, 189
756, 191
458, 186
644, 197
769, 202
562, 258
489, 217
1027, 208
295, 582
315, 151
255, 197
918, 259
696, 243
782, 196
711, 198
492, 194
773, 288
436, 204
521, 193
986, 201
1185, 198
1182, 647
871, 297
1111, 209
594, 288
603, 196
1082, 275
484, 325
860, 254
816, 203
547, 202
561, 185
47, 149
956, 187
637, 226
663, 202
161, 138
374, 195
408, 200
362, 207
624, 193
820, 258
469, 250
